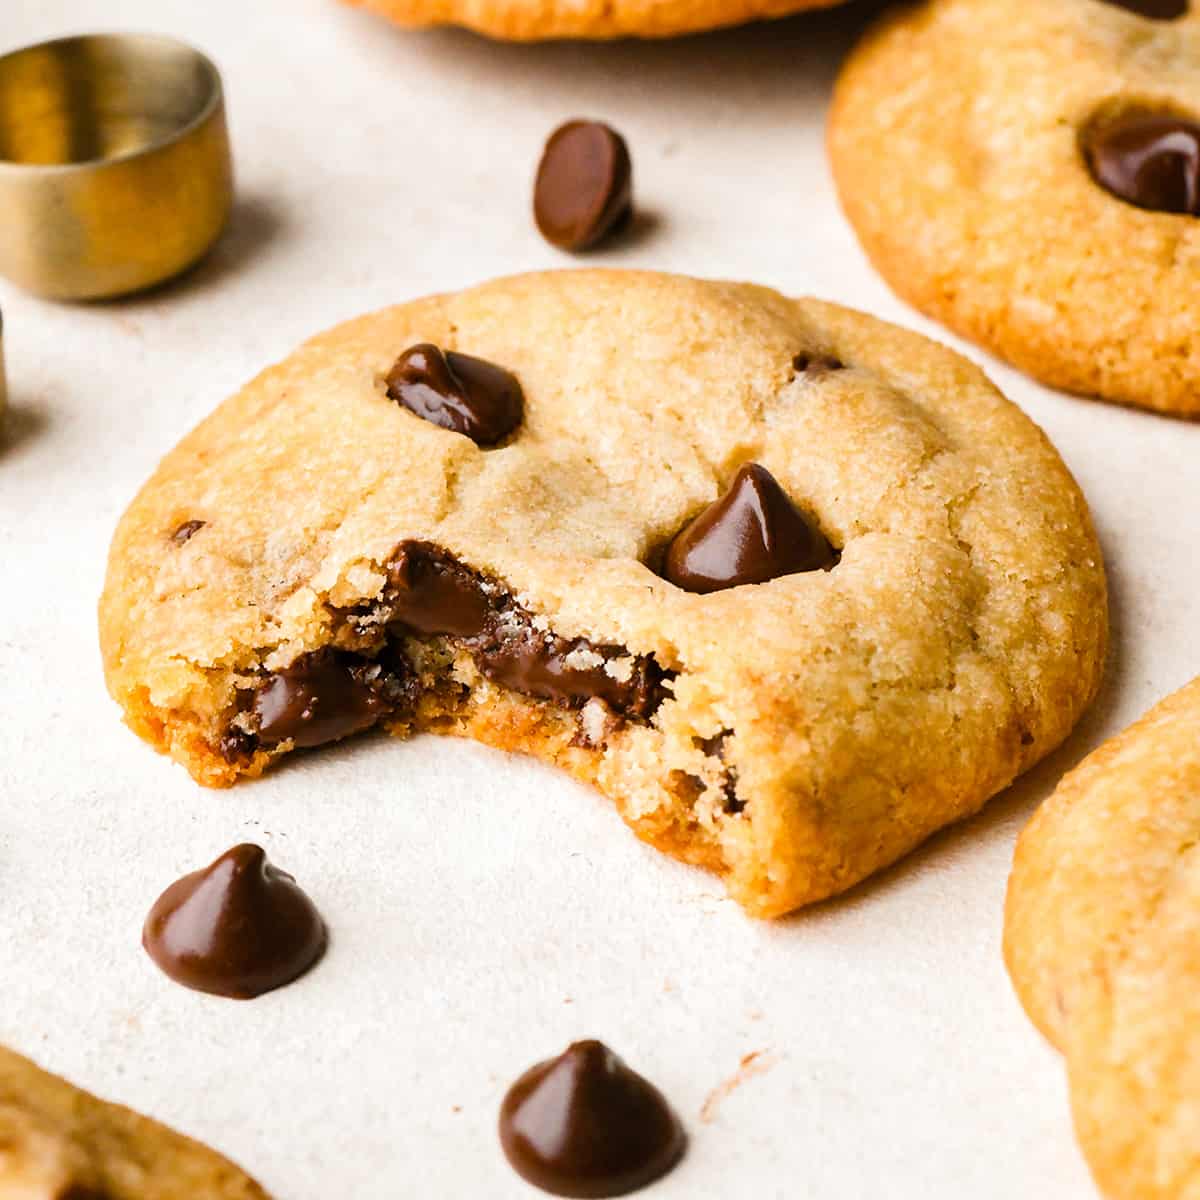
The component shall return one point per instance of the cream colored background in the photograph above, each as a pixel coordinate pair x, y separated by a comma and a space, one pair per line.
485, 911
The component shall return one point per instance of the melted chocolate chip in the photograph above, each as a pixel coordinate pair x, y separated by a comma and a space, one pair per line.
584, 187
319, 699
585, 1125
1149, 159
238, 928
457, 392
816, 364
236, 744
1156, 10
431, 593
186, 530
751, 534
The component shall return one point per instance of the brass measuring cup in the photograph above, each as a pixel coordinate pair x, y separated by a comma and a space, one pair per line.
115, 167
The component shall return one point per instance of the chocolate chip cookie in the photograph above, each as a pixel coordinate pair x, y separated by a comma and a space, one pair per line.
792, 586
539, 20
1102, 939
59, 1143
1029, 174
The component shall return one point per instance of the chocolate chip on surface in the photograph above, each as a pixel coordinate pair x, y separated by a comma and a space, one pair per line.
239, 927
584, 186
186, 531
1148, 159
319, 699
457, 392
586, 1125
1156, 10
753, 533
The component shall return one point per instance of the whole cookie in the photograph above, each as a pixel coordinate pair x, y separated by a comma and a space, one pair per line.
996, 162
1102, 940
59, 1143
883, 595
538, 20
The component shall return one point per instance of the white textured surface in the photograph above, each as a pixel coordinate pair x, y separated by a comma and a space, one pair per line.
485, 911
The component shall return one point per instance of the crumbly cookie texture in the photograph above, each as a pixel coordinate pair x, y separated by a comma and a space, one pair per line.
538, 20
955, 140
1102, 940
793, 735
60, 1143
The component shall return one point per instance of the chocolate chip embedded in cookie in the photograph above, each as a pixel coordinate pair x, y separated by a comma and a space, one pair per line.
1102, 940
1150, 159
1042, 198
794, 587
60, 1143
536, 20
751, 534
457, 392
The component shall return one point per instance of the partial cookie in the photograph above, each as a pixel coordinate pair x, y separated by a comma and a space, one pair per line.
1102, 939
888, 599
984, 154
59, 1143
538, 20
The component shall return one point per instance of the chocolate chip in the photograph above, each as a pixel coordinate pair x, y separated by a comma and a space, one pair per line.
584, 1124
432, 594
321, 698
584, 187
751, 534
457, 392
1156, 10
569, 671
816, 364
237, 745
238, 928
1149, 159
186, 530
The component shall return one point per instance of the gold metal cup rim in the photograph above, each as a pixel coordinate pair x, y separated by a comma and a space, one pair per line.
213, 99
115, 166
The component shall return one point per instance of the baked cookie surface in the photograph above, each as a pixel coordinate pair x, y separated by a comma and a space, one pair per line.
314, 538
538, 20
1102, 940
962, 139
60, 1143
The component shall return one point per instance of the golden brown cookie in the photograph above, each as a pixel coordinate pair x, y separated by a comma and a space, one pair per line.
919, 611
59, 1143
1102, 940
994, 159
540, 20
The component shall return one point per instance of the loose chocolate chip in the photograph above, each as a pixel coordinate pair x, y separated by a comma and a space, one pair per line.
457, 392
238, 928
319, 699
584, 1124
1156, 10
584, 187
432, 594
1148, 159
186, 530
751, 534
